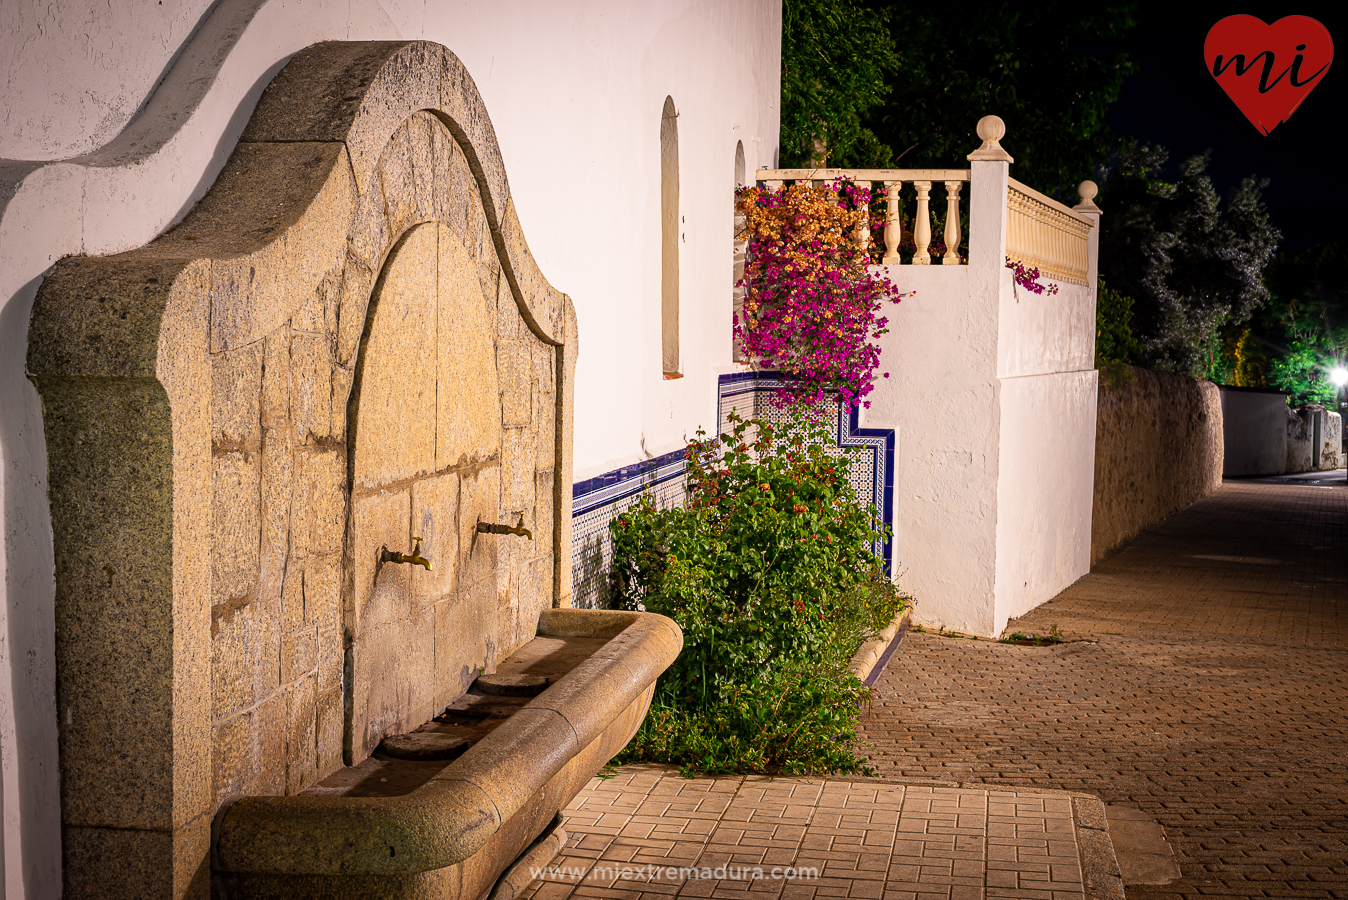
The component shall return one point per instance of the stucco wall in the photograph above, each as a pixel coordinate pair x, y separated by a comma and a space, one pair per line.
991, 393
943, 400
1158, 448
1314, 439
1046, 362
1044, 496
1331, 441
1256, 427
99, 160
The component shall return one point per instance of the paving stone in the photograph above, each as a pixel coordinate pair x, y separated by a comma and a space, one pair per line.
1206, 687
859, 840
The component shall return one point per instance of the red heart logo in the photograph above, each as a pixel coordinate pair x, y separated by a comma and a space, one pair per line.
1268, 69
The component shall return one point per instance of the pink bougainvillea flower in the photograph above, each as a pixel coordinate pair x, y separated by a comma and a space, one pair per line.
811, 302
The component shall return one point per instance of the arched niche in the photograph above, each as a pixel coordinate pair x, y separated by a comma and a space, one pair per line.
348, 321
671, 230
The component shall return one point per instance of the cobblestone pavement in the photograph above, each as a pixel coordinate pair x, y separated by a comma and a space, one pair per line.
629, 836
1206, 684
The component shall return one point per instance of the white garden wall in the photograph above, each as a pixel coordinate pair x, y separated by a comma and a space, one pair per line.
943, 399
1045, 492
992, 394
1254, 429
96, 159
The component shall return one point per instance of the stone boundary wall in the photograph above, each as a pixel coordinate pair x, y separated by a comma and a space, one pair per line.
1314, 439
1158, 448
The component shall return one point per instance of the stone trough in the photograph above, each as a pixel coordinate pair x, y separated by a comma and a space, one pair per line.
447, 829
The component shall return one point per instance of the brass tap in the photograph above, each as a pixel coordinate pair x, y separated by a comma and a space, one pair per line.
415, 557
493, 528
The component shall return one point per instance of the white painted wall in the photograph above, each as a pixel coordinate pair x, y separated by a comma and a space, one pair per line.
942, 398
1046, 362
992, 393
1254, 430
1046, 490
95, 159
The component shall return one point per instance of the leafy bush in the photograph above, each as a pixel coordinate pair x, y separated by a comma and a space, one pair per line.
769, 571
1247, 358
1306, 328
1116, 347
1303, 371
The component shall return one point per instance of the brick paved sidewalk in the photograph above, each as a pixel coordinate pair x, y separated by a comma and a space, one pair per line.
1207, 688
629, 835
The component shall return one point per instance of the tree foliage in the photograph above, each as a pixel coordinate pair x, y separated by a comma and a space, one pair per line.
1306, 324
1037, 66
1116, 346
1192, 265
835, 56
1311, 290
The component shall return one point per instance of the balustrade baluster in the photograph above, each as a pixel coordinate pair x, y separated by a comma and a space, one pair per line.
952, 223
922, 224
893, 228
862, 234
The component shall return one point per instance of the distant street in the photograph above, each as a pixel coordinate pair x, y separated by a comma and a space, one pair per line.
1204, 682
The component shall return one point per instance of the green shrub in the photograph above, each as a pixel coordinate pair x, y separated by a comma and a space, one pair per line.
1116, 347
769, 571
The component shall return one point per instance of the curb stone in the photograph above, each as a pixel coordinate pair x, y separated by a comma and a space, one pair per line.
869, 654
1099, 866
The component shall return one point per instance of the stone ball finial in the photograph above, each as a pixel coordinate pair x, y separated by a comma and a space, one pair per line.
991, 129
1087, 191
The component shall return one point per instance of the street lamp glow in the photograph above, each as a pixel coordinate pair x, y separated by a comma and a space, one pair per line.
1339, 375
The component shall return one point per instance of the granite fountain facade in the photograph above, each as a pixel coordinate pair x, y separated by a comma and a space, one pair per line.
273, 434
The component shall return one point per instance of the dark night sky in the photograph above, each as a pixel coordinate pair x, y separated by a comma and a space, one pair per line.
1174, 101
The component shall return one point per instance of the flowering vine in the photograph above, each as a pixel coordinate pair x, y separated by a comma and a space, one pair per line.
811, 306
1028, 278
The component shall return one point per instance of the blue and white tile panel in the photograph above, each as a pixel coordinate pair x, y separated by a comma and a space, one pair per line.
596, 501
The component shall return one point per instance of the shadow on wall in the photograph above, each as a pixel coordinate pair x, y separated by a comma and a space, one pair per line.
28, 743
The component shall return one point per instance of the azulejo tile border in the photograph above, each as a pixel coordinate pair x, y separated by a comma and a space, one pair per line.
597, 500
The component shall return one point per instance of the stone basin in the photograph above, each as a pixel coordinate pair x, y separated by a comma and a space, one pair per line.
446, 829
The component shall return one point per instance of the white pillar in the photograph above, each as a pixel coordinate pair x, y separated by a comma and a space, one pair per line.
922, 224
1087, 191
952, 223
989, 169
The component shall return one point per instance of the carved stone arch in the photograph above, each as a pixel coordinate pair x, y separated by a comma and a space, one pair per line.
195, 397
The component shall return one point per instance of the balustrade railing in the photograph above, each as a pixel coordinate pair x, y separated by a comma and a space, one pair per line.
1044, 233
889, 183
1040, 232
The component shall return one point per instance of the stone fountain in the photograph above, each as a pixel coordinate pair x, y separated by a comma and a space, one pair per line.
309, 466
